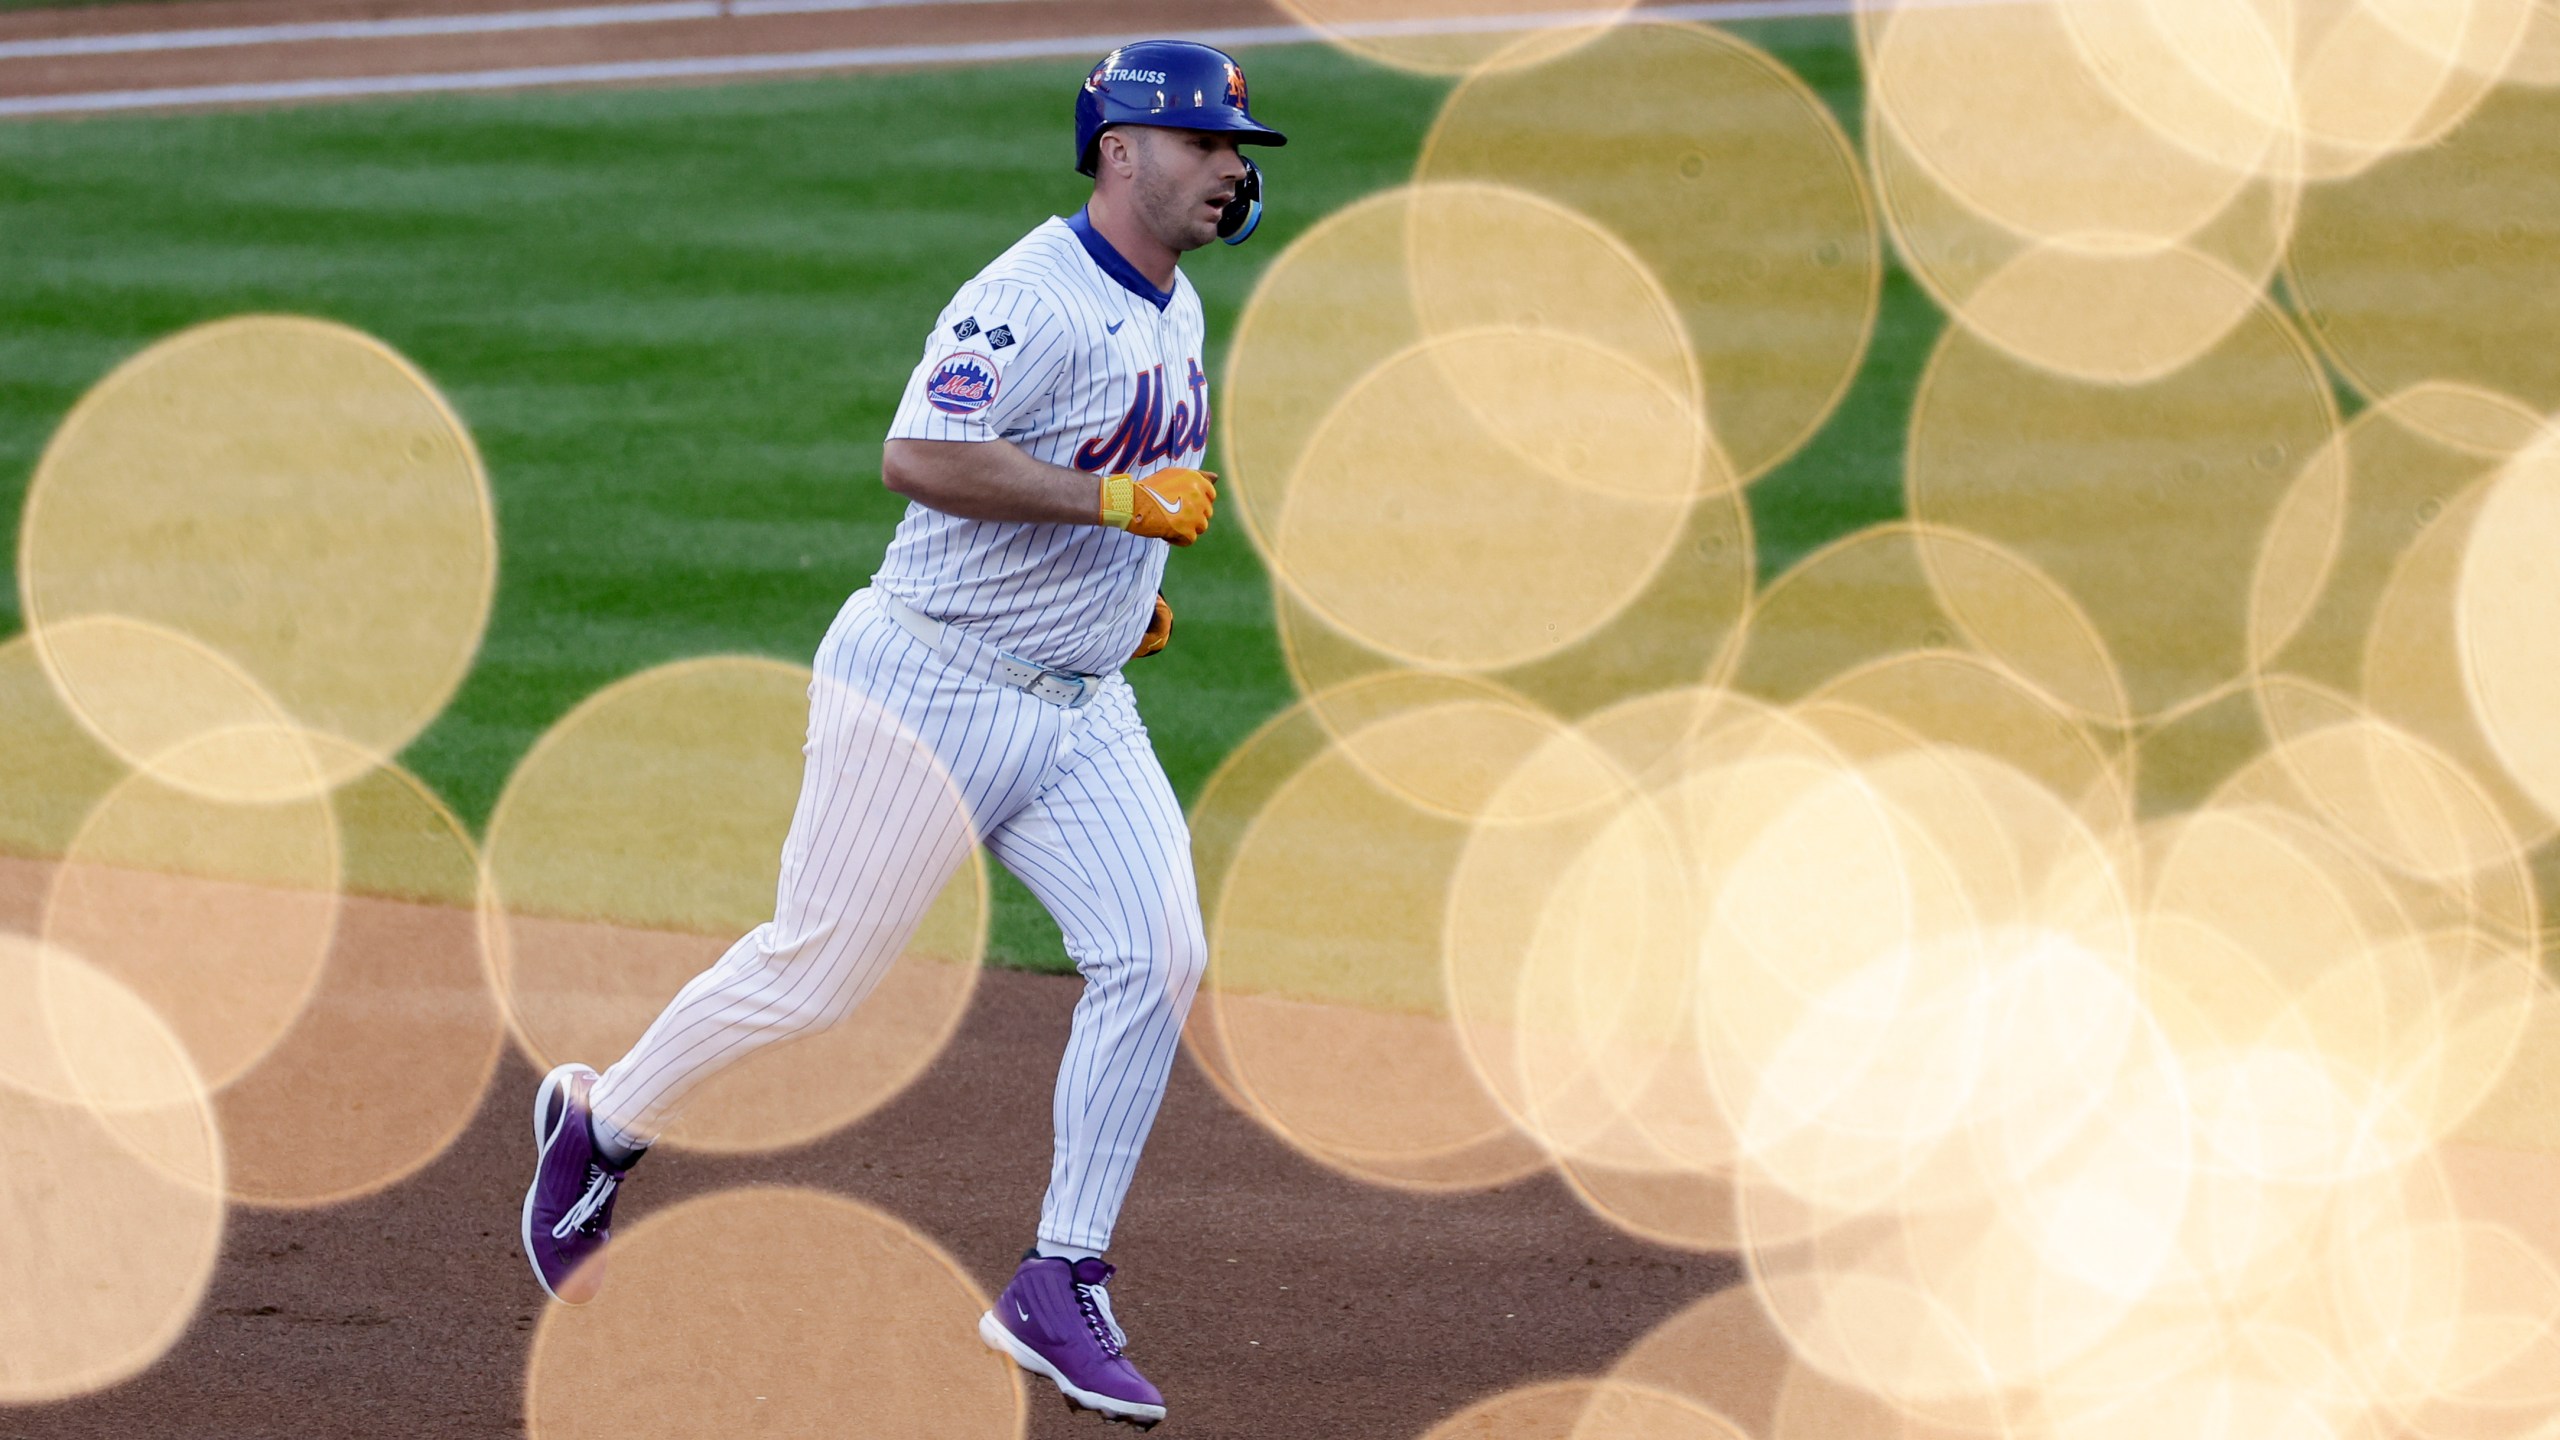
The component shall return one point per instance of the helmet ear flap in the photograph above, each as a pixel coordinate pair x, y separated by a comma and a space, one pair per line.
1243, 214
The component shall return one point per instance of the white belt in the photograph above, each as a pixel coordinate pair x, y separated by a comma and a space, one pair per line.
1062, 688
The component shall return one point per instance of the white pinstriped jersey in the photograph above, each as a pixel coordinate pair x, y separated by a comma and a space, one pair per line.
1062, 347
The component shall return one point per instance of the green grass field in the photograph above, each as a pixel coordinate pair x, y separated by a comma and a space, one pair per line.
677, 322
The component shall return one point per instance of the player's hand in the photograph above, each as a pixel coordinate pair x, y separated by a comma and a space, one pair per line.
1159, 630
1170, 505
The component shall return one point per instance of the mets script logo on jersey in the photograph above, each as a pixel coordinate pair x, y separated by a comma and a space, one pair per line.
1147, 434
964, 385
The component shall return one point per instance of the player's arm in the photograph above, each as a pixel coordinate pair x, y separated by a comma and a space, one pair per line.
987, 480
995, 480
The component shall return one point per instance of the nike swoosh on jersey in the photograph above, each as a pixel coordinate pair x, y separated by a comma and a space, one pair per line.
1171, 507
1114, 327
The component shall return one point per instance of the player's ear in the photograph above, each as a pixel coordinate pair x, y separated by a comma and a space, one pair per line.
1119, 154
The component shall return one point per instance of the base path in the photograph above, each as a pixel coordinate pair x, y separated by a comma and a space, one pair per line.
218, 53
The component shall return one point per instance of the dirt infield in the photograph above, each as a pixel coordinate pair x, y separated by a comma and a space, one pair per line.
1269, 1298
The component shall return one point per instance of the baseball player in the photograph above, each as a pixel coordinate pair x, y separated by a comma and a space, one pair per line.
1048, 445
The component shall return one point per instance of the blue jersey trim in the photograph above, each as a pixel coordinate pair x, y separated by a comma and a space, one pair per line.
1115, 264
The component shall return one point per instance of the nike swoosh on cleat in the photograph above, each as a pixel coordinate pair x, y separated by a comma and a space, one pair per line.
1114, 327
1171, 507
1018, 1310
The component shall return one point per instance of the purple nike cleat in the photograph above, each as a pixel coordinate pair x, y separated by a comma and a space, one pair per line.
568, 1211
1055, 1320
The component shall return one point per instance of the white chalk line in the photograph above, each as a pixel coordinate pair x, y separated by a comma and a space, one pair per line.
869, 57
494, 22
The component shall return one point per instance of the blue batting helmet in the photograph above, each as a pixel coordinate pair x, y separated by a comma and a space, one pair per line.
1174, 84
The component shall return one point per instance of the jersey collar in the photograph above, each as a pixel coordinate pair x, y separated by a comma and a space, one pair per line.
1115, 264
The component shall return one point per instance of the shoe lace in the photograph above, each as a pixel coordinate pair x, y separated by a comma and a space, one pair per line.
594, 1209
1095, 1302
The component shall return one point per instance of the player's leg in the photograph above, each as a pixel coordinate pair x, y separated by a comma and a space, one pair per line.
902, 754
906, 759
1104, 846
878, 831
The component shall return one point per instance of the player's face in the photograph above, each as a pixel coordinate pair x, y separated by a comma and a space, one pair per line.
1183, 183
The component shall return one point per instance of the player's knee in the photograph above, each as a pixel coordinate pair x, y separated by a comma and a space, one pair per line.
1156, 967
1182, 963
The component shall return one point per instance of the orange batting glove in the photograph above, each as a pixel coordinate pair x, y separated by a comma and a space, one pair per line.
1170, 505
1159, 630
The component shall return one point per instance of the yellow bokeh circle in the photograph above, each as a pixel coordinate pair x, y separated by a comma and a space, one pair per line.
775, 1311
2487, 231
220, 915
1453, 37
1522, 559
289, 494
2182, 475
111, 1201
1324, 1013
1726, 176
406, 991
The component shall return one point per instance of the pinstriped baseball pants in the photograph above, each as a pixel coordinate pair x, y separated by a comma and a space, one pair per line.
1071, 801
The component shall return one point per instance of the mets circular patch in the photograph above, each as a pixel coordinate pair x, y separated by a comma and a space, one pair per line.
963, 384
